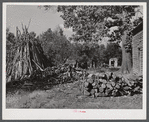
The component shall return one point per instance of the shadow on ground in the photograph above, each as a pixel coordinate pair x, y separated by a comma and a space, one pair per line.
69, 96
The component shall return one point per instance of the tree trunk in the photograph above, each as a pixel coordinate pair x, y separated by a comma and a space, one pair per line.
126, 57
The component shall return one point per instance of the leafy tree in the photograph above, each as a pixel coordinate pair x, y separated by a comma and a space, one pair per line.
94, 54
83, 61
90, 23
89, 54
102, 52
55, 45
59, 31
10, 47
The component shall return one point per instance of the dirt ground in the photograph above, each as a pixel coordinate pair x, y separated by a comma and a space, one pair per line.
69, 96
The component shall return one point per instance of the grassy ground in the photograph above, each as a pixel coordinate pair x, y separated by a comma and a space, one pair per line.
104, 70
69, 96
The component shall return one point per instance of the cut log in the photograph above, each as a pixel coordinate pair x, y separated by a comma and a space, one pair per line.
126, 88
137, 89
96, 90
86, 93
113, 76
94, 84
90, 76
103, 81
108, 92
103, 86
113, 84
87, 89
109, 86
140, 78
101, 89
92, 91
114, 93
117, 86
120, 81
93, 77
91, 81
86, 84
95, 87
97, 76
97, 94
105, 77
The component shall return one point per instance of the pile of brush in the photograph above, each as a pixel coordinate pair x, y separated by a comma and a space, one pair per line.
108, 84
48, 77
62, 73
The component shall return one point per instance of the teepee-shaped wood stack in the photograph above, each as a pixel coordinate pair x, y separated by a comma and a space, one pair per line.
28, 58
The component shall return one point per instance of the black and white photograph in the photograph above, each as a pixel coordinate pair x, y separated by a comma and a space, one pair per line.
74, 60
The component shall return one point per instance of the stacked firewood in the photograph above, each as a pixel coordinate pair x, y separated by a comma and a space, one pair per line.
99, 85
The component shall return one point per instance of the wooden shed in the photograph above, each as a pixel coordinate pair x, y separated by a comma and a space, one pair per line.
113, 62
137, 49
72, 62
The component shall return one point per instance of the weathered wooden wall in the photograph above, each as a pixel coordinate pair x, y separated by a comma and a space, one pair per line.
137, 53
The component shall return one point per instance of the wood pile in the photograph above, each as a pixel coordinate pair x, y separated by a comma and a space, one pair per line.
28, 57
108, 84
30, 67
48, 77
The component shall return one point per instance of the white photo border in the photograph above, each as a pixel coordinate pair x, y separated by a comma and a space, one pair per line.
69, 114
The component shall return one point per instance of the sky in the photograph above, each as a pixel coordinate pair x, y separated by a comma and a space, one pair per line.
41, 20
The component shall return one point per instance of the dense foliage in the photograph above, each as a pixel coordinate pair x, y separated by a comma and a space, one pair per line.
58, 49
10, 47
94, 55
92, 23
55, 45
